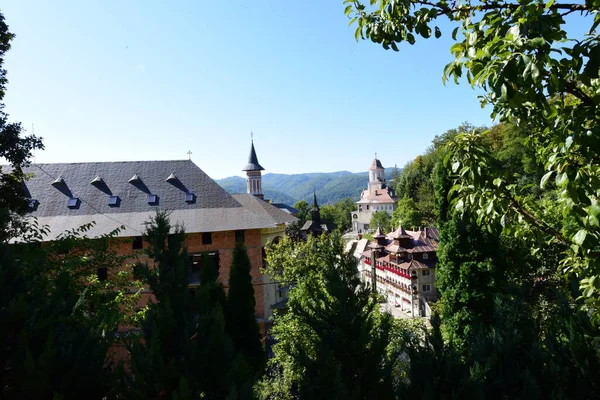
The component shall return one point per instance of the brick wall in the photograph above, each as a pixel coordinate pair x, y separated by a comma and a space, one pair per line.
223, 242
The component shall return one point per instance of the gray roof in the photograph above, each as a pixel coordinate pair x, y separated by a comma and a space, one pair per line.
376, 164
253, 164
264, 209
212, 208
286, 208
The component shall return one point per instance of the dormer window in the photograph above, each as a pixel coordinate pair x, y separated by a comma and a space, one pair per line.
190, 197
152, 199
114, 201
33, 204
73, 202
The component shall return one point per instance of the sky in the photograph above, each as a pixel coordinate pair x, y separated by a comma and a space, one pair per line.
151, 80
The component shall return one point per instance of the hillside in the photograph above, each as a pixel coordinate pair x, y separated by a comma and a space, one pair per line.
331, 187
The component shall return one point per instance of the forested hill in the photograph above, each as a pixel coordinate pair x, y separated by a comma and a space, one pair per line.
331, 186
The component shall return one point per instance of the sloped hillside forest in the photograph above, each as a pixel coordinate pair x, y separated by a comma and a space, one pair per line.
516, 205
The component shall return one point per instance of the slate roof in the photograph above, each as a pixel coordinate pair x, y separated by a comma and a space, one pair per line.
378, 196
253, 164
425, 241
264, 209
376, 164
211, 210
288, 209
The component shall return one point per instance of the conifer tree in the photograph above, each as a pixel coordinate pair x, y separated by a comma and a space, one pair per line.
185, 352
332, 342
241, 322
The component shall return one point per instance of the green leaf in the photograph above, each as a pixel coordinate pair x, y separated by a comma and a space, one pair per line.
561, 179
580, 236
549, 4
545, 178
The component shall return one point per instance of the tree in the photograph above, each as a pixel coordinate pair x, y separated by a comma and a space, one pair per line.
241, 322
303, 212
536, 77
185, 352
339, 213
17, 151
332, 342
381, 219
59, 320
406, 213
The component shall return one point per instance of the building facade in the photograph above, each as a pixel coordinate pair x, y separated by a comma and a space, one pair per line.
127, 194
377, 197
402, 267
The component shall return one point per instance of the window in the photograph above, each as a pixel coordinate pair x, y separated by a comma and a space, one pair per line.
190, 198
239, 236
33, 204
206, 238
367, 207
426, 288
137, 243
152, 199
102, 274
114, 201
425, 256
426, 272
73, 202
196, 266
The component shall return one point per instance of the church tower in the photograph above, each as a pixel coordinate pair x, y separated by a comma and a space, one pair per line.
253, 174
376, 175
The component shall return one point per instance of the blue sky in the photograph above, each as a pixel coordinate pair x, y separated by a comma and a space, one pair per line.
150, 80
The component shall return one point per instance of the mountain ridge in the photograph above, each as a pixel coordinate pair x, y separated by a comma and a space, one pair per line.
330, 187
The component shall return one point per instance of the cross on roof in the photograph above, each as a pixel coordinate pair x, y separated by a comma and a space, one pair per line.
189, 153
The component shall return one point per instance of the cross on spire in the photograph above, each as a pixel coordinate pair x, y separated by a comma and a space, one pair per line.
189, 153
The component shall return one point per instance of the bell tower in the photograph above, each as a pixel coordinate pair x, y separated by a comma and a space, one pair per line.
253, 174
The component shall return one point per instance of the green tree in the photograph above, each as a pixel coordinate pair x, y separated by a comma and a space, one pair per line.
407, 214
303, 212
185, 352
537, 77
17, 151
339, 213
332, 342
241, 322
58, 319
381, 219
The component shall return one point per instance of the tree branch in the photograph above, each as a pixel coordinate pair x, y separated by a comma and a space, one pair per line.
446, 10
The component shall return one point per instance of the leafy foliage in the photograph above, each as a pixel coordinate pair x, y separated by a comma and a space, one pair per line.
332, 342
536, 77
381, 219
58, 319
339, 213
17, 151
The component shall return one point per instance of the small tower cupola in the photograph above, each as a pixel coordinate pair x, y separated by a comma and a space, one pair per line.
376, 176
253, 174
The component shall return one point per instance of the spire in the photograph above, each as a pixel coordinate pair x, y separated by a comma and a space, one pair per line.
315, 204
378, 234
253, 164
315, 212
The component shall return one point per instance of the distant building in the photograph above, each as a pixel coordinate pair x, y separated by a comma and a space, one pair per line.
377, 197
402, 267
315, 226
